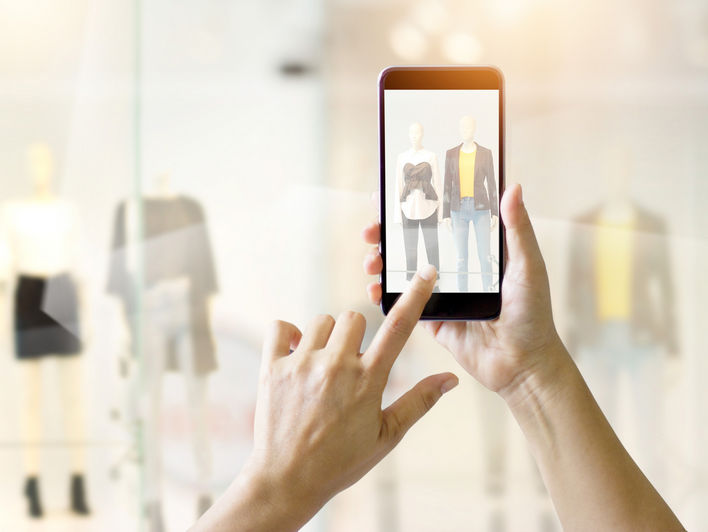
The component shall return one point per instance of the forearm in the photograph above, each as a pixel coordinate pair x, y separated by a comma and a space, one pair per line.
253, 504
594, 483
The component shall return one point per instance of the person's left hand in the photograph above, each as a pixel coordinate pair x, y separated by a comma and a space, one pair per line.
319, 425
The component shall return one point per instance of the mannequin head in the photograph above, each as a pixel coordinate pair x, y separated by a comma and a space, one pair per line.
468, 126
162, 183
415, 134
617, 173
40, 165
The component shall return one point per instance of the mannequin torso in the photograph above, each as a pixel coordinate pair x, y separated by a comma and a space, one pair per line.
416, 205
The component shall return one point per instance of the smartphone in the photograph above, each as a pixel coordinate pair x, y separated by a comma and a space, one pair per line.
441, 144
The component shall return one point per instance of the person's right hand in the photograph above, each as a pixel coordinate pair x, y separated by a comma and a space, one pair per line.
500, 353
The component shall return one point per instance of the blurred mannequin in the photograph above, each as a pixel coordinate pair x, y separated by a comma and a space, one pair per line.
179, 280
621, 302
42, 239
418, 192
471, 196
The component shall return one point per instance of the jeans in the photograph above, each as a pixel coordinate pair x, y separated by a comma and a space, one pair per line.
429, 226
617, 355
461, 228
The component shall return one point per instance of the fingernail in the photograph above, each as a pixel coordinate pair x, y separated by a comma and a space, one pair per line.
427, 272
449, 384
521, 195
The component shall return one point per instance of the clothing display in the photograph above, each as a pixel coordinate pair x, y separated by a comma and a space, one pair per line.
485, 185
418, 177
42, 236
481, 220
613, 264
650, 312
38, 333
471, 196
429, 226
418, 185
176, 245
467, 162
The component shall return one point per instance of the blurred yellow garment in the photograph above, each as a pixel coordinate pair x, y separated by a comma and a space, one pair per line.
467, 161
614, 251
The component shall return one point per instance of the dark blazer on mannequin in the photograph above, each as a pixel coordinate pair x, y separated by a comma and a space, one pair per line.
652, 320
484, 197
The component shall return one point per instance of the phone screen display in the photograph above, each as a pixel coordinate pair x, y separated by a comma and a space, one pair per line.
442, 177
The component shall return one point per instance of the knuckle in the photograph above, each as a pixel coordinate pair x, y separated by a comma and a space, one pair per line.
395, 427
278, 326
399, 325
324, 319
353, 317
428, 398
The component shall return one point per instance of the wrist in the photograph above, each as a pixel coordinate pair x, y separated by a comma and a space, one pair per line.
257, 500
542, 379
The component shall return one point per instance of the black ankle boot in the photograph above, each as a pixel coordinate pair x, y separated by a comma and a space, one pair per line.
78, 495
32, 493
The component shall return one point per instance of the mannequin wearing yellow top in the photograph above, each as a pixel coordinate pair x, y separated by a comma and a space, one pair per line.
621, 303
467, 160
470, 196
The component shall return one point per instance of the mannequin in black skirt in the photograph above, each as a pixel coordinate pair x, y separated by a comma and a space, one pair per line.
41, 236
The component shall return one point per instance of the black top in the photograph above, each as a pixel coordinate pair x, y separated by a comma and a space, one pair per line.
418, 177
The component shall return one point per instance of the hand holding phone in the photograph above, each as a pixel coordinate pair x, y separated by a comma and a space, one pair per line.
442, 159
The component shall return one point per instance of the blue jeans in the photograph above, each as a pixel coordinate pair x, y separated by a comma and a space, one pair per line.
461, 229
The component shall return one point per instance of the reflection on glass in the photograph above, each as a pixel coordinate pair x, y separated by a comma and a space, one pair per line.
621, 301
177, 269
41, 239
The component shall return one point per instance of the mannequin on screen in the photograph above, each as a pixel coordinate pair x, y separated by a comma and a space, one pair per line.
417, 200
470, 196
41, 238
178, 282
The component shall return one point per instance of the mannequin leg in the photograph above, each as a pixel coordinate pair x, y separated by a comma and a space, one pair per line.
71, 384
482, 221
72, 391
461, 232
410, 243
647, 400
430, 236
31, 418
196, 388
153, 369
31, 426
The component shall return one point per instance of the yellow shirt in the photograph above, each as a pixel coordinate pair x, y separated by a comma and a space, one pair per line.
613, 270
467, 173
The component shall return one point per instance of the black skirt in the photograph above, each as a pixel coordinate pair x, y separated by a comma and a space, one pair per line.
46, 317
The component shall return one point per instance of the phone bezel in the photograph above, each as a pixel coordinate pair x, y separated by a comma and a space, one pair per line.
446, 305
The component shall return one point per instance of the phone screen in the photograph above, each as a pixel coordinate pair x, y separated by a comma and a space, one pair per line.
441, 163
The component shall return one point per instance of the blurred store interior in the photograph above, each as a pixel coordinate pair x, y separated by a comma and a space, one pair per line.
241, 137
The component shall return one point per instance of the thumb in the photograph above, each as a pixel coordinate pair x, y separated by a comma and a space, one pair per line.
521, 240
413, 405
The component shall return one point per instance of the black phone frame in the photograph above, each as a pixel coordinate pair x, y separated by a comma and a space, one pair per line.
443, 305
